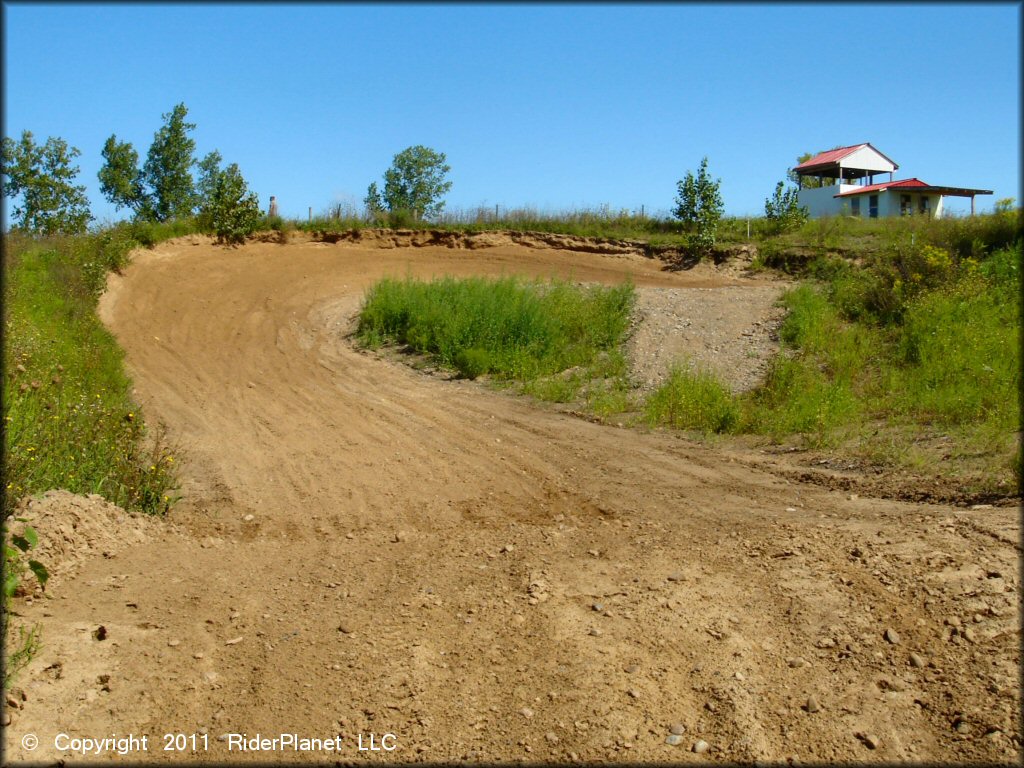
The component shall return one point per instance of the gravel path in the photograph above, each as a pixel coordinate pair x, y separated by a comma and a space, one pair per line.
730, 330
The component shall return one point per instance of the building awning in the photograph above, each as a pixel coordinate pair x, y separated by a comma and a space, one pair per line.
916, 185
824, 162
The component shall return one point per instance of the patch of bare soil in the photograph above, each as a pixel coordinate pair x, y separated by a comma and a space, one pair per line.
730, 331
364, 550
73, 529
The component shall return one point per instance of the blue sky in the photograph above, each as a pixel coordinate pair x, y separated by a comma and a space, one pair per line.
556, 107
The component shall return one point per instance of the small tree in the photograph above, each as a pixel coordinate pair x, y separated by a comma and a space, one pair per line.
163, 188
209, 173
699, 207
373, 202
783, 210
168, 168
121, 180
232, 210
414, 184
43, 176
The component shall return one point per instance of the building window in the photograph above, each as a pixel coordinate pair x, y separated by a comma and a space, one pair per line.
905, 207
855, 206
922, 205
873, 206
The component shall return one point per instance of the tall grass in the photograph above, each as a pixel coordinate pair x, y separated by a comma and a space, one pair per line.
69, 421
507, 327
914, 342
693, 400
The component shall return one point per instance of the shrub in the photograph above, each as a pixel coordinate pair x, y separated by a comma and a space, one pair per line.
688, 400
508, 327
782, 209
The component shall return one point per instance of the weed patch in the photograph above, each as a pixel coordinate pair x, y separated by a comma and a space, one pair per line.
69, 421
507, 328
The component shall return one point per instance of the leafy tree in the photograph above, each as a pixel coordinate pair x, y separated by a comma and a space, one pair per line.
163, 189
121, 181
373, 201
168, 168
209, 172
233, 210
43, 176
415, 183
783, 210
699, 207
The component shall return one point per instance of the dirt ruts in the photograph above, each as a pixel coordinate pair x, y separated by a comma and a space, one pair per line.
362, 549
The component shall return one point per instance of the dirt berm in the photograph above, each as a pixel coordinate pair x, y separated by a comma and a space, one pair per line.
364, 549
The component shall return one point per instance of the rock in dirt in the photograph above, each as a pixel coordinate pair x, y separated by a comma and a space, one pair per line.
677, 729
700, 746
892, 636
871, 741
674, 739
812, 704
916, 661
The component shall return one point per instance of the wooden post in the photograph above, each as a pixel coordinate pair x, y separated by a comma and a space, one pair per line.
972, 205
273, 207
311, 213
495, 211
642, 215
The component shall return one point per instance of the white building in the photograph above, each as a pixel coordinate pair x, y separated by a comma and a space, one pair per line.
847, 186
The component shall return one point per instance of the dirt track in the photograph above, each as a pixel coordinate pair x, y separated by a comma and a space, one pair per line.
488, 579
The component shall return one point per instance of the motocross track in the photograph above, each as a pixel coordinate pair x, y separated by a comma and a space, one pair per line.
490, 578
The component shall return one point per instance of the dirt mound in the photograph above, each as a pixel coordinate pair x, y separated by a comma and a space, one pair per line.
419, 238
73, 529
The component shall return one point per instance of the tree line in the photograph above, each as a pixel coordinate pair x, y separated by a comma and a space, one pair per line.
163, 188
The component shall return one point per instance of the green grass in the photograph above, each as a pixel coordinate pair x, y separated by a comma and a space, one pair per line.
692, 401
507, 328
68, 416
912, 347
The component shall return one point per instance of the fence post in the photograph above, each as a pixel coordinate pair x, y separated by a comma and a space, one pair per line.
311, 213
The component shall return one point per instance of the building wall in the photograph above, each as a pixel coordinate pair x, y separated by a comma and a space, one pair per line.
869, 160
822, 202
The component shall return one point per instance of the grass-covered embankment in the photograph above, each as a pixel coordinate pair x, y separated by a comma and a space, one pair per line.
553, 338
910, 359
69, 421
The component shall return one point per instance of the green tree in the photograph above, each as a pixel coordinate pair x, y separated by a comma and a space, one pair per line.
415, 183
168, 168
43, 175
163, 188
783, 210
233, 210
209, 172
121, 181
373, 202
699, 207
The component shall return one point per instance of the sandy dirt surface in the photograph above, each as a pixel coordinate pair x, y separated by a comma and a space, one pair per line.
364, 550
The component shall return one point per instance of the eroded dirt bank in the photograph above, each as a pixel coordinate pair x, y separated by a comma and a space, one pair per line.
362, 548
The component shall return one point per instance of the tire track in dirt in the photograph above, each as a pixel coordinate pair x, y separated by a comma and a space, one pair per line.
488, 578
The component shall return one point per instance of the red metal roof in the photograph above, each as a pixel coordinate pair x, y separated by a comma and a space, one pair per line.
886, 185
832, 156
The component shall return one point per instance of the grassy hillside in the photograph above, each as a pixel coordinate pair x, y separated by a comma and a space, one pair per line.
69, 420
